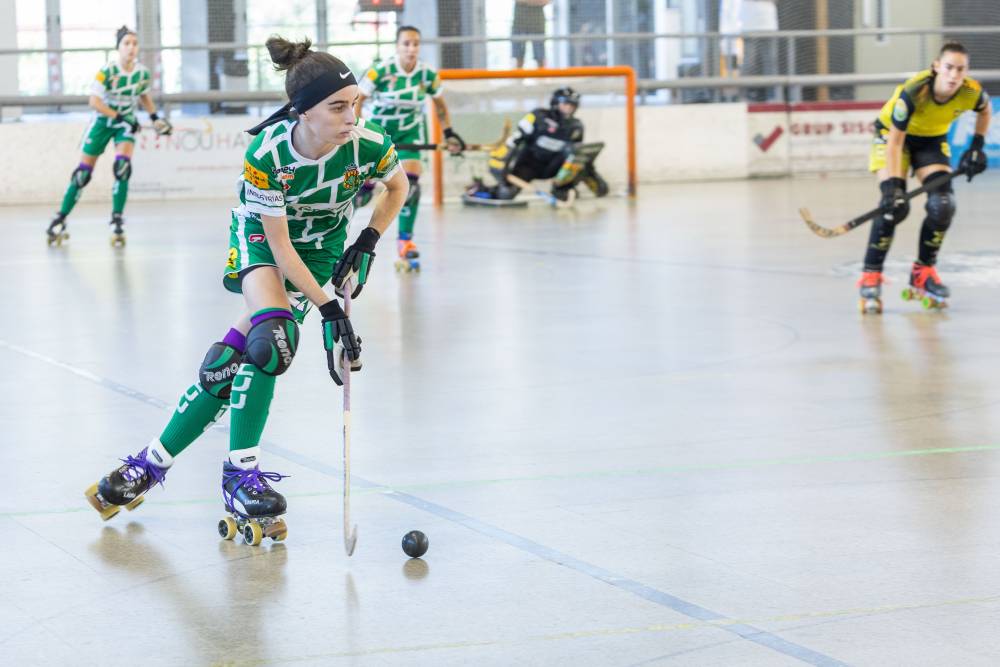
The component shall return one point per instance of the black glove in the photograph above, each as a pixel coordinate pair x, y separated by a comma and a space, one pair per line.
893, 201
455, 143
129, 120
161, 125
974, 158
339, 339
356, 262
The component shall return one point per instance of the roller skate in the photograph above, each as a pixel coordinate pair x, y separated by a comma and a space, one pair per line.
408, 254
926, 285
253, 506
871, 292
117, 231
57, 230
126, 485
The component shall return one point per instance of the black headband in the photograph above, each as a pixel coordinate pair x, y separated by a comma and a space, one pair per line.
122, 31
311, 94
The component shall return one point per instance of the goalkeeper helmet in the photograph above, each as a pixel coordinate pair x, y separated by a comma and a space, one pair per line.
565, 95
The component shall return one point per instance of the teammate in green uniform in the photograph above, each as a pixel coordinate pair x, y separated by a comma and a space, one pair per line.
399, 86
118, 88
911, 132
301, 173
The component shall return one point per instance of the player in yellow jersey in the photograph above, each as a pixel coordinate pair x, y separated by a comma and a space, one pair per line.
911, 133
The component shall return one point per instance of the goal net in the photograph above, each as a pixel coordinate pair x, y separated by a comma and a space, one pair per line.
481, 102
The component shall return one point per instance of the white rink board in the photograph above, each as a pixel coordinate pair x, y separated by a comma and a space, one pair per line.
204, 158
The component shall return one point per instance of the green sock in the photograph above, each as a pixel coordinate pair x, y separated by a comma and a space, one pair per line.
196, 411
118, 196
249, 405
71, 197
408, 217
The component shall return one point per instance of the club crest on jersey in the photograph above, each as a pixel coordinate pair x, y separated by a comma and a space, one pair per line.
352, 177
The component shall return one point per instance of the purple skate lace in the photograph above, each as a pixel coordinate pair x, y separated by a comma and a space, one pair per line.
139, 466
253, 478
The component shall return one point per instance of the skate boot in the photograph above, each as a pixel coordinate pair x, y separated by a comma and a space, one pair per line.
57, 230
871, 292
926, 285
408, 254
117, 231
126, 485
253, 506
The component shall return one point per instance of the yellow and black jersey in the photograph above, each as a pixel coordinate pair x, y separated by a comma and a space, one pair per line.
913, 109
544, 134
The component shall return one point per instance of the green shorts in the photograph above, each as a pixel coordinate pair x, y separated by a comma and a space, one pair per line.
102, 130
414, 135
248, 250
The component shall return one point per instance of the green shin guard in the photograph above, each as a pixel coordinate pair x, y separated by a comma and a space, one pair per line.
118, 196
408, 214
196, 411
249, 404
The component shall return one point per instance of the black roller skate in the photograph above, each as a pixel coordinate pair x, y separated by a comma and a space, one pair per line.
253, 505
117, 230
409, 256
871, 292
926, 286
126, 485
57, 230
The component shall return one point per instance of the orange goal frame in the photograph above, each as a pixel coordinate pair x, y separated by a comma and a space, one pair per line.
615, 71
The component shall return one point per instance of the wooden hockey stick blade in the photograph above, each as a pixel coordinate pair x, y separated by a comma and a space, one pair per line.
827, 232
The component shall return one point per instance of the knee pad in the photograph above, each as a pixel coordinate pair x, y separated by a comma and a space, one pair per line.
122, 168
81, 175
272, 342
414, 194
940, 207
219, 368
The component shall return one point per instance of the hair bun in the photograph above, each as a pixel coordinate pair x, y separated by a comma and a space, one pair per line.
286, 54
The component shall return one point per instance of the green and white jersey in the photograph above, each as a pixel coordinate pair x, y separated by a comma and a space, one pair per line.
398, 96
316, 195
119, 89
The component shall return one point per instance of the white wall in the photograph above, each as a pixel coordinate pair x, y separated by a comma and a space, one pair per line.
204, 157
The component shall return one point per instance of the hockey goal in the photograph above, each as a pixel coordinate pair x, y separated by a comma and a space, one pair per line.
482, 101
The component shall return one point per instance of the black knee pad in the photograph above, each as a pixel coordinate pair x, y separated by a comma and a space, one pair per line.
122, 168
414, 195
271, 343
81, 176
219, 368
940, 207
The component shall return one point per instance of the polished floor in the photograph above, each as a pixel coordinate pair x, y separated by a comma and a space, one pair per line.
656, 433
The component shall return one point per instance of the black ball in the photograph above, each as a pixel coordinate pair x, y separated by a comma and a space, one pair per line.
415, 544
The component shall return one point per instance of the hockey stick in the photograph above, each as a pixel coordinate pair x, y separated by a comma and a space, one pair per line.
350, 530
547, 196
469, 147
827, 232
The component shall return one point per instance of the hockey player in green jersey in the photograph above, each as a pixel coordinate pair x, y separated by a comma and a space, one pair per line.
301, 173
118, 88
399, 87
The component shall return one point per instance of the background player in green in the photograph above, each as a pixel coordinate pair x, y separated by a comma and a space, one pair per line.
399, 86
911, 132
116, 90
301, 173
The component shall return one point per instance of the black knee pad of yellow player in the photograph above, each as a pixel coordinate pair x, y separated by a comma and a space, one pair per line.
219, 368
272, 341
940, 204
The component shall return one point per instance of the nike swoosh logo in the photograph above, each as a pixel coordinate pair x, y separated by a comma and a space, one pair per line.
345, 75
